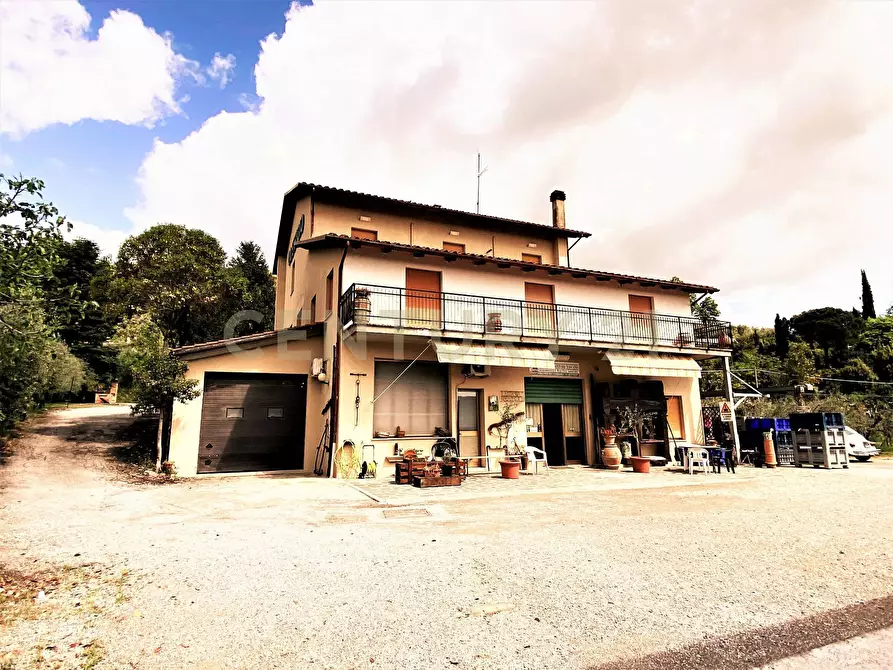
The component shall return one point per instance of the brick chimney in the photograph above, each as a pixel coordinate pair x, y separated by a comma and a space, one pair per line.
557, 199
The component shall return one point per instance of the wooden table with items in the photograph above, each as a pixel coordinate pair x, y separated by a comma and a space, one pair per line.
410, 471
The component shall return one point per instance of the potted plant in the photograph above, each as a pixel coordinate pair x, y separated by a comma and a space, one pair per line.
641, 464
510, 466
447, 465
494, 322
362, 305
611, 456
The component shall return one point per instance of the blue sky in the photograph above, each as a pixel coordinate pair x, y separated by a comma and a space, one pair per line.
89, 167
685, 146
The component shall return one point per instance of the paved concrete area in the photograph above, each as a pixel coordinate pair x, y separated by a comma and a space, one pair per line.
287, 572
560, 480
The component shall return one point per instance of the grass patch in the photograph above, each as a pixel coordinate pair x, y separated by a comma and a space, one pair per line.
67, 591
92, 655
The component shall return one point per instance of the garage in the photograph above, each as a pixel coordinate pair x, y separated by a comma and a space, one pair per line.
252, 422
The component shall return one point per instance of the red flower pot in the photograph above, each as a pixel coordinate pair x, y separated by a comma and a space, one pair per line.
641, 464
510, 469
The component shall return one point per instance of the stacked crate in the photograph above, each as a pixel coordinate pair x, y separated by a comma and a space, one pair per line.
408, 468
752, 439
819, 439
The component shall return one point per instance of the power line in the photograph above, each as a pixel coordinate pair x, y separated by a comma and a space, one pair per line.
826, 379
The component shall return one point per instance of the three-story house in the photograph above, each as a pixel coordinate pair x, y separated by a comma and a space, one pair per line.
398, 322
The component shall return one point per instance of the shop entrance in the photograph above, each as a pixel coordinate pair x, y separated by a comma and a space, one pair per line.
554, 409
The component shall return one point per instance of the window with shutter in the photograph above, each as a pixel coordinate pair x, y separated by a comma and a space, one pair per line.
417, 401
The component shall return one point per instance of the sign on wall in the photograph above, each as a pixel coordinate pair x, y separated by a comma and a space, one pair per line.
512, 397
562, 369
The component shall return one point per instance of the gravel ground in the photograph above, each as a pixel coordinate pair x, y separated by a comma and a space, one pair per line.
285, 572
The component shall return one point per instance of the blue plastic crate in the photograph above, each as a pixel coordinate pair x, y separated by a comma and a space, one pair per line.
767, 423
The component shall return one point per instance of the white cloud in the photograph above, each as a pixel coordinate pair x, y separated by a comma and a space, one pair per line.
109, 241
221, 68
53, 71
744, 144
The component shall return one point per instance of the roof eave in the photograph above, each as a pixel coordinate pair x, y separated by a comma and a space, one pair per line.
331, 240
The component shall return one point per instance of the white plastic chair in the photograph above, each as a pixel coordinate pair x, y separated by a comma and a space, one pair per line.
698, 458
534, 458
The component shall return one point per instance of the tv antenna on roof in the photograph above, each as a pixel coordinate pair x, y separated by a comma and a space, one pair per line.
479, 173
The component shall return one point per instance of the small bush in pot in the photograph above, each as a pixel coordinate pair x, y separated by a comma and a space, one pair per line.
447, 465
511, 464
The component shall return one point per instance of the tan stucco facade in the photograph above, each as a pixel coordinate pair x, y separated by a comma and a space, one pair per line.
320, 275
285, 356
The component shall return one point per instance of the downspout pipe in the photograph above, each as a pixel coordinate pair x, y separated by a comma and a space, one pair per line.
336, 367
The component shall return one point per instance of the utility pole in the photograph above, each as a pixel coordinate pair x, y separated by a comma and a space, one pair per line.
479, 173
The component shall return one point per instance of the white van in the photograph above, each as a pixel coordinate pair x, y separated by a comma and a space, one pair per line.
858, 446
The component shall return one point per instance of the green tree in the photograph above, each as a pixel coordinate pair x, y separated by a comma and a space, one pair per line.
157, 377
782, 336
253, 288
84, 320
875, 346
829, 329
706, 308
800, 364
867, 299
31, 361
177, 276
30, 236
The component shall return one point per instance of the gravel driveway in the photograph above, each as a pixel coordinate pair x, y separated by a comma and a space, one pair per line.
288, 572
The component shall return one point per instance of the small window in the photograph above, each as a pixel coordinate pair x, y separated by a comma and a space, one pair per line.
313, 309
275, 412
330, 292
453, 246
364, 234
531, 258
234, 412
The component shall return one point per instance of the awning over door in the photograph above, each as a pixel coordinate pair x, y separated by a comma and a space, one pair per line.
501, 355
634, 364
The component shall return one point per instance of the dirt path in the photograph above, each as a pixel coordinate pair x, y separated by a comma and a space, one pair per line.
56, 603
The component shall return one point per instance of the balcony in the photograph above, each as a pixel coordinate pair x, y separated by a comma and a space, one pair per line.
382, 308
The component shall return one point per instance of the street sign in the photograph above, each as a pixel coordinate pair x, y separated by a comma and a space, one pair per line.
725, 412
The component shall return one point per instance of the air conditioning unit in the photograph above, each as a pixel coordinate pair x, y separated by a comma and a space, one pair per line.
476, 370
317, 367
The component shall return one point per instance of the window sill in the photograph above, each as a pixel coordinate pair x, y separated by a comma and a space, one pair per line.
408, 438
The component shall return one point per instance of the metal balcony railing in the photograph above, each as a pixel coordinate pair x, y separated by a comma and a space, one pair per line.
392, 307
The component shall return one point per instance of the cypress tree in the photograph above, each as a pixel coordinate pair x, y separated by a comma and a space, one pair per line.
782, 336
867, 299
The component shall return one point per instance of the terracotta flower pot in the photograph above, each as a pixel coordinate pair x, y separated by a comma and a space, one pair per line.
362, 308
611, 458
610, 440
641, 464
510, 469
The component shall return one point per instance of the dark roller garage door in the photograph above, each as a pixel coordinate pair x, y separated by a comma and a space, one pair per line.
252, 422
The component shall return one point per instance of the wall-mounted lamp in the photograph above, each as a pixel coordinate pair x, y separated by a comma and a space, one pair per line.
364, 218
322, 378
531, 245
454, 233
